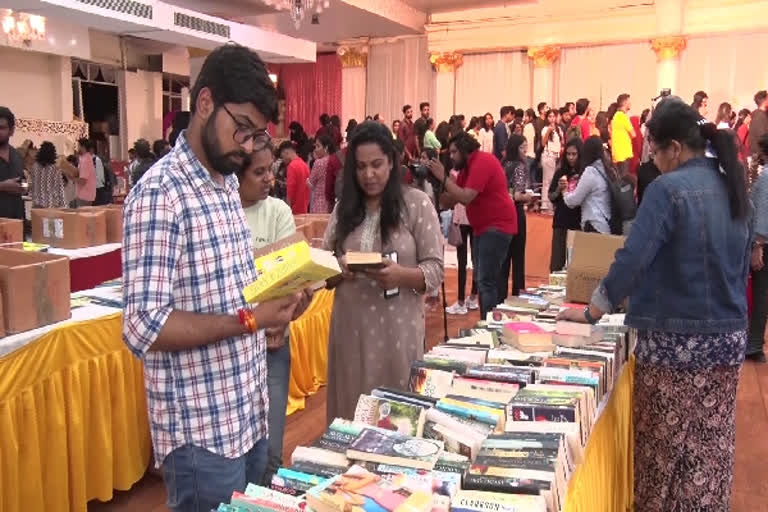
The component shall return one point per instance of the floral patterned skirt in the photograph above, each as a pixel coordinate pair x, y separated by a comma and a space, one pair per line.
684, 431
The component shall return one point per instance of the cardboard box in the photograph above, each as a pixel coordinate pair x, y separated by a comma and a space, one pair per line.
114, 220
69, 229
593, 255
11, 231
36, 289
312, 225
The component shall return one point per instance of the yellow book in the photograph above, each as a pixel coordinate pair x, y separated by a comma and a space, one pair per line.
290, 270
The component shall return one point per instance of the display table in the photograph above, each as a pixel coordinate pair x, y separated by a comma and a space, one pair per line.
73, 415
604, 482
91, 266
309, 350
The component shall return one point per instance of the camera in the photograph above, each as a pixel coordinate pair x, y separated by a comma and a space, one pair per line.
663, 94
419, 171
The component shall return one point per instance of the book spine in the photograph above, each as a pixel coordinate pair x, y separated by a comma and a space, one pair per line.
300, 477
505, 485
469, 414
542, 413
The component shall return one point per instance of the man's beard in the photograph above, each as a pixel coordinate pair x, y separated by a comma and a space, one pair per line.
221, 163
460, 165
5, 142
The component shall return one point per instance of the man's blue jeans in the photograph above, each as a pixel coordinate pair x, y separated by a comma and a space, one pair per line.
278, 380
198, 480
489, 251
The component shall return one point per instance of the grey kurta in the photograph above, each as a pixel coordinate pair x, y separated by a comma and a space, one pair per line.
374, 340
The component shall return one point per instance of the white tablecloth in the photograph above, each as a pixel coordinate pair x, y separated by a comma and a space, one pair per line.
89, 312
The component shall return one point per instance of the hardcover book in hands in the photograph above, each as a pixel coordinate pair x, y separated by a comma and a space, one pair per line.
290, 270
359, 261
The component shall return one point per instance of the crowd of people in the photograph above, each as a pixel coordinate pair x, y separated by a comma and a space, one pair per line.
216, 369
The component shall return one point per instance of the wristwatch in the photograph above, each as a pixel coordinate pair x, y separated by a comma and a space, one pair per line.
588, 316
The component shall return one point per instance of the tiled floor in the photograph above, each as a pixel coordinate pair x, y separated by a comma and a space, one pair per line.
750, 487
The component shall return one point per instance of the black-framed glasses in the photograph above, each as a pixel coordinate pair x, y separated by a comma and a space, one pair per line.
243, 133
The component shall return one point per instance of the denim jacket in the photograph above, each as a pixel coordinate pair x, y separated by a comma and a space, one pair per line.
684, 265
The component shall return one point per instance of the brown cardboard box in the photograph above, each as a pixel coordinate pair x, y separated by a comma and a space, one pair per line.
11, 231
313, 225
592, 256
38, 284
114, 221
69, 229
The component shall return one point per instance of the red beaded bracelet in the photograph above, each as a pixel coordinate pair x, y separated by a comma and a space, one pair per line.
247, 320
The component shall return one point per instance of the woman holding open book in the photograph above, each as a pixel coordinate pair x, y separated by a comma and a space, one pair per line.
684, 267
377, 325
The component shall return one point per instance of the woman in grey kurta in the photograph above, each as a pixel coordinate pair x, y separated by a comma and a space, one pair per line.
373, 339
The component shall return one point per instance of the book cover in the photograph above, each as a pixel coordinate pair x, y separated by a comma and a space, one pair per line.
297, 486
488, 483
430, 382
394, 448
528, 337
289, 270
362, 490
275, 500
472, 414
321, 470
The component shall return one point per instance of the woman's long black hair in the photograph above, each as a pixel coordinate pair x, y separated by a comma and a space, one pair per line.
674, 120
593, 151
563, 164
352, 207
513, 149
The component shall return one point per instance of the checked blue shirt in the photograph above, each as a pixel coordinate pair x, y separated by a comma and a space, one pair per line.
187, 247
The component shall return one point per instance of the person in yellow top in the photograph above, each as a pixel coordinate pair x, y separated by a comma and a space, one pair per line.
622, 134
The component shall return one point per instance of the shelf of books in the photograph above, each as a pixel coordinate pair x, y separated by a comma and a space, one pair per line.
518, 415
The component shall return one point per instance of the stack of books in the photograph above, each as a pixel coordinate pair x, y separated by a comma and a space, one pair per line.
484, 426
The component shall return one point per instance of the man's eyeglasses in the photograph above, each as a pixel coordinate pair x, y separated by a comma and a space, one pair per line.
243, 133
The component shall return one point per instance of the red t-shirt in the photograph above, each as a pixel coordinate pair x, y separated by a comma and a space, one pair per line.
585, 125
297, 188
492, 207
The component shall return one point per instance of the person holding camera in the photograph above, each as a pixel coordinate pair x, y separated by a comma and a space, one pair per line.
482, 187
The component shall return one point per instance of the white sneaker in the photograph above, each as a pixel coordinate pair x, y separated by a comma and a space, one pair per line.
472, 304
456, 309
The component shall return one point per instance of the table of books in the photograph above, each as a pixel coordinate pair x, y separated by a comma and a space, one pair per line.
73, 416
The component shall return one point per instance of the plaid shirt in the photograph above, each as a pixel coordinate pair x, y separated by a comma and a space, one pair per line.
187, 247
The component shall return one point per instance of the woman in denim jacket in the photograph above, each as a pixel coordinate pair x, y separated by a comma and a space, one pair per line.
684, 268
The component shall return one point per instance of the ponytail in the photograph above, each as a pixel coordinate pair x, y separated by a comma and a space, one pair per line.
721, 144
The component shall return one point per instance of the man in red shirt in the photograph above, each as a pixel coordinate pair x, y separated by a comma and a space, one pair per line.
582, 119
482, 187
297, 188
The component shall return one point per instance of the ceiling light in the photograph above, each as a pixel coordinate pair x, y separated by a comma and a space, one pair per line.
300, 9
22, 27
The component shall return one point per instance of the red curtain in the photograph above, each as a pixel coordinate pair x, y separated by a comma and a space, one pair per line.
311, 90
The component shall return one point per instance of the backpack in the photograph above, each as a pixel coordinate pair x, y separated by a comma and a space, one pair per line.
573, 131
623, 206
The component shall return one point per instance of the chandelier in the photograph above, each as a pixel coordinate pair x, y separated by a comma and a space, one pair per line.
22, 27
298, 9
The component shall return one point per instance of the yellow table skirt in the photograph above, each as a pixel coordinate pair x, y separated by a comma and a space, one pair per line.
309, 350
73, 419
604, 482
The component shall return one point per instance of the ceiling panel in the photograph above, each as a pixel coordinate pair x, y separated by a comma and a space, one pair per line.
430, 6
